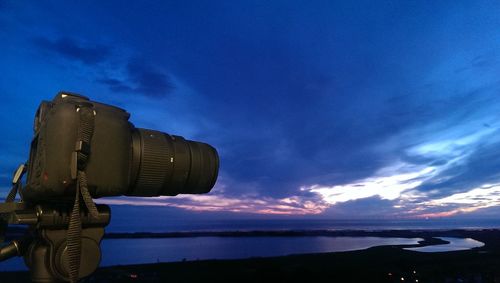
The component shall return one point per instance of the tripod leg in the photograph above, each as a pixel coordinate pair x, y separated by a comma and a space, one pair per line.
8, 251
15, 248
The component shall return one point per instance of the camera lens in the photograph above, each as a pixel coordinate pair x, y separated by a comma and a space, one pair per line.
169, 165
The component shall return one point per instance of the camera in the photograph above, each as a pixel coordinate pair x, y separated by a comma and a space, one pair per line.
120, 158
82, 149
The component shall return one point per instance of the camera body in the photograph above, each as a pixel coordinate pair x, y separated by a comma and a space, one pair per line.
56, 134
120, 159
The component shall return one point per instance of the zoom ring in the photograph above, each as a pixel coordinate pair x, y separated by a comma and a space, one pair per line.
155, 162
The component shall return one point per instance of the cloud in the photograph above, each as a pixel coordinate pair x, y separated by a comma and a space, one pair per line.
116, 85
388, 183
69, 48
486, 196
292, 205
465, 180
366, 208
336, 132
468, 156
141, 78
149, 79
217, 201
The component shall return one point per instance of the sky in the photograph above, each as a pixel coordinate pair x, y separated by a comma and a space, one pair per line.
327, 109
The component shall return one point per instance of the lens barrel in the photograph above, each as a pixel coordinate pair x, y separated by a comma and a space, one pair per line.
168, 165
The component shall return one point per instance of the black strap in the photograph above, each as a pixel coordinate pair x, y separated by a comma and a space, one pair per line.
13, 192
82, 148
16, 183
16, 187
79, 159
73, 239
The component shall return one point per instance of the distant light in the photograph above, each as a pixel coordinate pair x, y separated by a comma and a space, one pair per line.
402, 279
390, 274
414, 272
134, 276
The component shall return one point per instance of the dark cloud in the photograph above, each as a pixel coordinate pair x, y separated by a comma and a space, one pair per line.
366, 208
116, 85
148, 79
69, 48
141, 78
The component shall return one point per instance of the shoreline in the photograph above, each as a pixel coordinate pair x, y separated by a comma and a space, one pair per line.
400, 233
403, 233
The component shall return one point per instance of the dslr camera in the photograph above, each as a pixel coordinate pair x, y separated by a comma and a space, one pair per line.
82, 150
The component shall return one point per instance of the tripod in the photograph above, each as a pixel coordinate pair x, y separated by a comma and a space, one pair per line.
44, 247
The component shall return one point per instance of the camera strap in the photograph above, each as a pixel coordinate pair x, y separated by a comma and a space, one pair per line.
16, 187
16, 183
79, 161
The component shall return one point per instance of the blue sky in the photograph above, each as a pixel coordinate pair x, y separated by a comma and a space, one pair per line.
366, 109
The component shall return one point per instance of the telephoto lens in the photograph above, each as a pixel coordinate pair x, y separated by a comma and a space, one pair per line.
73, 133
168, 165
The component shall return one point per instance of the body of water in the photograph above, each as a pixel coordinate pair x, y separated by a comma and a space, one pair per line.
151, 250
134, 251
178, 249
455, 244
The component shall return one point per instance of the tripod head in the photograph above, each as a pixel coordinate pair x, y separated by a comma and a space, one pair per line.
47, 243
45, 246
